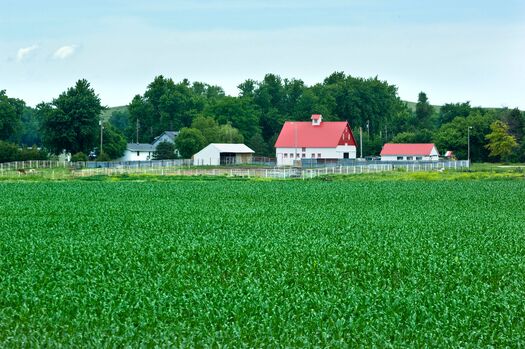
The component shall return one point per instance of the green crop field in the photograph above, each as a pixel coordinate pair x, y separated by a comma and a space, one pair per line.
257, 263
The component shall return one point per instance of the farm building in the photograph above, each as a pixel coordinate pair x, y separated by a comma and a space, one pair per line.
223, 154
409, 152
138, 152
317, 139
167, 136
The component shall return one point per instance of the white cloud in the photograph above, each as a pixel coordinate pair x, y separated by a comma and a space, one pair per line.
64, 51
24, 52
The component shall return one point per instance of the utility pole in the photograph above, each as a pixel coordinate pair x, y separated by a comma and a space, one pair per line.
468, 145
137, 131
101, 134
361, 140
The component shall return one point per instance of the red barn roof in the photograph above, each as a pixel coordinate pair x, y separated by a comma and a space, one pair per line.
305, 135
407, 149
316, 116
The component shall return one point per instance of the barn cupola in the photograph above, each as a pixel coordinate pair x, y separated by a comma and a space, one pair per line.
317, 119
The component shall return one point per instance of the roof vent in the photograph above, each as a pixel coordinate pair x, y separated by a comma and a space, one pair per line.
317, 119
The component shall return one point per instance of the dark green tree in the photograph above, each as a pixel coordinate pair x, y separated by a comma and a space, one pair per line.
189, 141
424, 112
70, 122
11, 110
114, 142
164, 151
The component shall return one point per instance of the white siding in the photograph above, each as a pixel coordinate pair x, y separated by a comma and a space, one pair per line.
136, 156
326, 153
209, 156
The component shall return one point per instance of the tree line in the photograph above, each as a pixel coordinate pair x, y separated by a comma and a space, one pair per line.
204, 114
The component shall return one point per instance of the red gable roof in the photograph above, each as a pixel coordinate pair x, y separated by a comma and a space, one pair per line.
407, 149
305, 135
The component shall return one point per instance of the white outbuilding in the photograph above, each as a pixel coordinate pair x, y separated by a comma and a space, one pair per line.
215, 154
409, 152
138, 152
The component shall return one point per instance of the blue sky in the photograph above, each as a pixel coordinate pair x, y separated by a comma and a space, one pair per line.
453, 50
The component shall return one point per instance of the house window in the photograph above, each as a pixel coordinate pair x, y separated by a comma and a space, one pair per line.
410, 158
304, 149
419, 158
400, 158
313, 155
318, 155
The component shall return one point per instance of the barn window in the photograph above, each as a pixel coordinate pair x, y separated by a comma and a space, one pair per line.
138, 153
318, 155
410, 158
304, 149
297, 156
400, 158
419, 158
303, 155
313, 155
285, 155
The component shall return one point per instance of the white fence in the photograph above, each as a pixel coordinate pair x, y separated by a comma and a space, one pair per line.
33, 168
32, 164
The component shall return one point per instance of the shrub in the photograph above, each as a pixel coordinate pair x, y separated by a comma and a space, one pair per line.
80, 156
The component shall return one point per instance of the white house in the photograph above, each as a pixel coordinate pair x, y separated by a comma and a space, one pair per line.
167, 136
317, 139
138, 152
409, 152
223, 154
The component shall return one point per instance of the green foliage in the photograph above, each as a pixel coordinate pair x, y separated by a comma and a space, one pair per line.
11, 110
450, 111
258, 264
164, 151
103, 157
70, 122
424, 112
119, 119
453, 135
421, 136
114, 143
189, 141
12, 152
501, 143
80, 156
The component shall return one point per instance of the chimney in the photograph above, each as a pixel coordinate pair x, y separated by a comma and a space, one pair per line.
317, 119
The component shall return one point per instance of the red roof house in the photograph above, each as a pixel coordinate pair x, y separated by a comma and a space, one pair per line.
409, 151
316, 139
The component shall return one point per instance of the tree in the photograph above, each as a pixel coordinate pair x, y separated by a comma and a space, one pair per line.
208, 127
424, 111
450, 111
258, 145
114, 143
70, 122
189, 141
11, 110
164, 151
120, 119
229, 134
501, 143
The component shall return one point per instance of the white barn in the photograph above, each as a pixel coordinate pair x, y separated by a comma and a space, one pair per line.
216, 154
314, 140
138, 152
409, 152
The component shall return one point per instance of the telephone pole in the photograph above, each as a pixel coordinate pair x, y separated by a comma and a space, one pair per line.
361, 140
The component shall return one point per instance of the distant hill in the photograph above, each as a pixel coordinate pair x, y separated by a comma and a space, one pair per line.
106, 114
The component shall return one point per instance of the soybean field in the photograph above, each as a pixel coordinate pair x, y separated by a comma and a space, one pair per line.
197, 263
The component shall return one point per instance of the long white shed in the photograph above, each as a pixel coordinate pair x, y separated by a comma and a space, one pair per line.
216, 154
